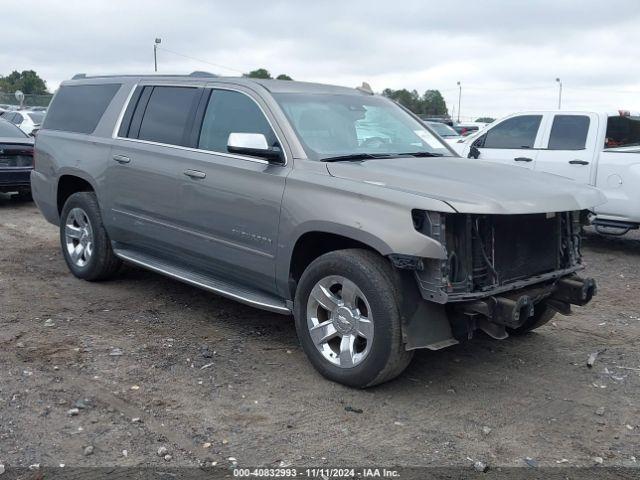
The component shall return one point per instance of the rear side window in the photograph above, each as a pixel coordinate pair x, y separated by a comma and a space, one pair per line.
79, 108
516, 132
623, 131
168, 114
569, 132
231, 112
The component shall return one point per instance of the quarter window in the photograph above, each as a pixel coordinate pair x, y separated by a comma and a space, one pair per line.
569, 132
516, 132
169, 111
79, 108
231, 112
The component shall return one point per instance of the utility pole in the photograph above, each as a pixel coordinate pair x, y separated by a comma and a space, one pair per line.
155, 53
459, 99
559, 93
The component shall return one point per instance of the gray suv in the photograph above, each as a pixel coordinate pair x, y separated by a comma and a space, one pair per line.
329, 203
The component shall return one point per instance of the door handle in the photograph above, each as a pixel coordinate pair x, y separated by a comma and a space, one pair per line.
523, 159
195, 174
121, 158
578, 162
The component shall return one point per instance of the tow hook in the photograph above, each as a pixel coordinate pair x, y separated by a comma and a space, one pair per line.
504, 311
574, 290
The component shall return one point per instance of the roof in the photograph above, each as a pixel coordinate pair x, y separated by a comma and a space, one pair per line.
273, 86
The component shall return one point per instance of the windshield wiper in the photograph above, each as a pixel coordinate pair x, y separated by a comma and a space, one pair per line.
421, 154
353, 157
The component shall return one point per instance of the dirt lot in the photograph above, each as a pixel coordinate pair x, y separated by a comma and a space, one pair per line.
150, 362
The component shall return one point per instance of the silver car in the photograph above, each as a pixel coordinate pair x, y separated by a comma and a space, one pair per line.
329, 203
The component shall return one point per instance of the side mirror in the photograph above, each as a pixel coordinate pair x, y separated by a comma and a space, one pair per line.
255, 145
474, 152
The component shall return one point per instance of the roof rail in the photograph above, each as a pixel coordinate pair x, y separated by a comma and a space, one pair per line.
200, 73
196, 74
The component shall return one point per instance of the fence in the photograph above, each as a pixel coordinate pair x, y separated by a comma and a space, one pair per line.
30, 100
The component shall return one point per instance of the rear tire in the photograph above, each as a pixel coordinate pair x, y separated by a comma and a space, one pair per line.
542, 314
85, 244
362, 322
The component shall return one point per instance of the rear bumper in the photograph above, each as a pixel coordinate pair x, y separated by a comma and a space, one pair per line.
44, 194
12, 178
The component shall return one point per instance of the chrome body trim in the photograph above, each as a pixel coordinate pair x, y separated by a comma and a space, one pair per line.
115, 135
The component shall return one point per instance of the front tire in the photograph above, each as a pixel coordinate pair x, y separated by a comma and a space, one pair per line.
347, 314
85, 244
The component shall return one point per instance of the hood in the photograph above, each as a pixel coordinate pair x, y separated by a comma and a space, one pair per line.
473, 186
16, 141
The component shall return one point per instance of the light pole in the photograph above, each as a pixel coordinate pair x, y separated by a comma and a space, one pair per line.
157, 42
459, 99
559, 93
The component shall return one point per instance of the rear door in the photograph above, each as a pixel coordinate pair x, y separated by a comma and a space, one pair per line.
513, 141
145, 169
569, 146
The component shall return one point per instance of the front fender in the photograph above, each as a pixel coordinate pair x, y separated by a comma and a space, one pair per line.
379, 218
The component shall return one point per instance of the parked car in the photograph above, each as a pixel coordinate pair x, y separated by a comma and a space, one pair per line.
16, 160
445, 132
465, 129
26, 120
329, 203
598, 149
439, 119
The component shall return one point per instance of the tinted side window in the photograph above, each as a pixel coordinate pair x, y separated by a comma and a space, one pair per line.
516, 132
569, 132
168, 112
622, 131
79, 108
17, 119
231, 112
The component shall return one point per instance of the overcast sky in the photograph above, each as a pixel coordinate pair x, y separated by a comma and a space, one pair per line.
506, 54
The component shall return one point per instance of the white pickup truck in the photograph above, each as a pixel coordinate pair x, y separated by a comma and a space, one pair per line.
599, 149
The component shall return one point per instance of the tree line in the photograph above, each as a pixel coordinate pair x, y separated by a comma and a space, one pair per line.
430, 102
27, 81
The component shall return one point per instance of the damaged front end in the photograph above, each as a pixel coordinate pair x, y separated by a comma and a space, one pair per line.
499, 272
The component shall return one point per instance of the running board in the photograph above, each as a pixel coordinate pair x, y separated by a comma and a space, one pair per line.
615, 224
233, 291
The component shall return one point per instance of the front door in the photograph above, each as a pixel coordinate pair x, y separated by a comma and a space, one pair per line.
511, 142
231, 203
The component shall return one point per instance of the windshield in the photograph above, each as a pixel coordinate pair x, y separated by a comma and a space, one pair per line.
9, 130
334, 125
443, 130
37, 117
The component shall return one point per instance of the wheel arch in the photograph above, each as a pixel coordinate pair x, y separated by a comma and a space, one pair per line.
317, 240
70, 182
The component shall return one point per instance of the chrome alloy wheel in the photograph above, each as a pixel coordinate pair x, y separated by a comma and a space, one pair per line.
78, 237
340, 321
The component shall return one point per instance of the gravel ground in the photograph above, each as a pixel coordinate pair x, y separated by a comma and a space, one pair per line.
149, 362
